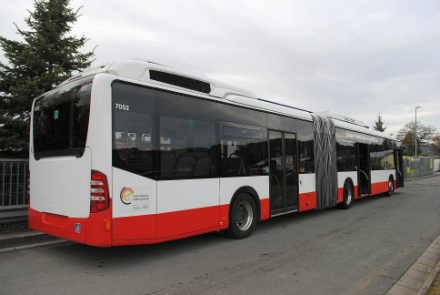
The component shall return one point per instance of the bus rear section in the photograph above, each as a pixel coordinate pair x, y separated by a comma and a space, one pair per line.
69, 199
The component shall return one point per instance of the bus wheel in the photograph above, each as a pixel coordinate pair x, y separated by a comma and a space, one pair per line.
348, 196
243, 218
390, 187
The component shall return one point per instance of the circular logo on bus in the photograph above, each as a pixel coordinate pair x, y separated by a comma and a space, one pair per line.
125, 195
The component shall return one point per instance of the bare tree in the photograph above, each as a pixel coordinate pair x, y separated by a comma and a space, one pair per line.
425, 133
435, 145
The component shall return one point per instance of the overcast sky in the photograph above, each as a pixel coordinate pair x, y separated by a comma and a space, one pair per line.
356, 58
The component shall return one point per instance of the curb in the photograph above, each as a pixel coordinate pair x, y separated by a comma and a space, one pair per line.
419, 277
429, 280
434, 174
20, 235
30, 246
27, 240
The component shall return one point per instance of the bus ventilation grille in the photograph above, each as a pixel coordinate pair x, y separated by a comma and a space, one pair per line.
180, 81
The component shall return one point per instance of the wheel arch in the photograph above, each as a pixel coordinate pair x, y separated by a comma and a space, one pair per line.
250, 191
391, 177
348, 183
351, 182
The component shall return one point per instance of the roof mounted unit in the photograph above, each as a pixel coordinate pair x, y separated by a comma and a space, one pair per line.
341, 118
180, 81
147, 71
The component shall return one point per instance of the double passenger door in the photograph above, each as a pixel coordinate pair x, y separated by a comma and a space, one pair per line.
283, 172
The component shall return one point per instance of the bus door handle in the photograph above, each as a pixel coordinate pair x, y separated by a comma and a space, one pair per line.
366, 176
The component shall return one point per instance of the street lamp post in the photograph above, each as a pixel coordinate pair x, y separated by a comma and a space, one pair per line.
415, 130
415, 142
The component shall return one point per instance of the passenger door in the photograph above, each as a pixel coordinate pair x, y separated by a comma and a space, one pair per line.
398, 160
283, 172
363, 167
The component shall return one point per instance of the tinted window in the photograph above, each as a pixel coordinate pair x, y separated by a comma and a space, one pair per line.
387, 159
376, 155
187, 136
235, 114
281, 123
346, 156
242, 132
305, 147
241, 155
185, 107
187, 148
133, 129
61, 120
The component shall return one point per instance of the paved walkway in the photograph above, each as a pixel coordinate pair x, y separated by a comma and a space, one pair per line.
419, 277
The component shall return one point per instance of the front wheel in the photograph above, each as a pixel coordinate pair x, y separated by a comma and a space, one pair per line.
348, 196
243, 217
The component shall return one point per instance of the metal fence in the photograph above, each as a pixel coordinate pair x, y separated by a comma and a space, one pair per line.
437, 164
14, 193
418, 166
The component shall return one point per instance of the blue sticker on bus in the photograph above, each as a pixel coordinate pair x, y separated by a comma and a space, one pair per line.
77, 228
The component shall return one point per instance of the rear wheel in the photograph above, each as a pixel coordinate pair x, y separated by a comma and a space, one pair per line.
348, 196
390, 187
243, 217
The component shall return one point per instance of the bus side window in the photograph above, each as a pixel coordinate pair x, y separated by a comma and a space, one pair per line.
243, 150
345, 152
133, 147
186, 148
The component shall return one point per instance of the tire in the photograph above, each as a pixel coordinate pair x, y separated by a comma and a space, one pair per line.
348, 196
243, 217
390, 187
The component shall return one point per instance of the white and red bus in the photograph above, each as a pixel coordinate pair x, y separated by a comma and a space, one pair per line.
137, 153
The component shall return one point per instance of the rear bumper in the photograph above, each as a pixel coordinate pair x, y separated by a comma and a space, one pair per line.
94, 231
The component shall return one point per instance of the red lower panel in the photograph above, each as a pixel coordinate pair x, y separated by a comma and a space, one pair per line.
224, 215
134, 227
376, 188
94, 231
265, 210
160, 240
169, 226
379, 187
97, 230
341, 194
182, 222
307, 201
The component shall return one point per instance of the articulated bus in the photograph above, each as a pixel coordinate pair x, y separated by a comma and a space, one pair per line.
138, 153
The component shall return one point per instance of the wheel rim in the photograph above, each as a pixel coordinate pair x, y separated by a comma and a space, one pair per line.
244, 216
348, 194
390, 186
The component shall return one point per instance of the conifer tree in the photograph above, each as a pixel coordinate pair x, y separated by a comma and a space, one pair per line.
46, 57
378, 125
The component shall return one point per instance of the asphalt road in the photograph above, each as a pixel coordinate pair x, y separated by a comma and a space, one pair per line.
363, 250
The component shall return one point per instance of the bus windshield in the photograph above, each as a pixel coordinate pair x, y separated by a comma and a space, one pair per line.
61, 119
